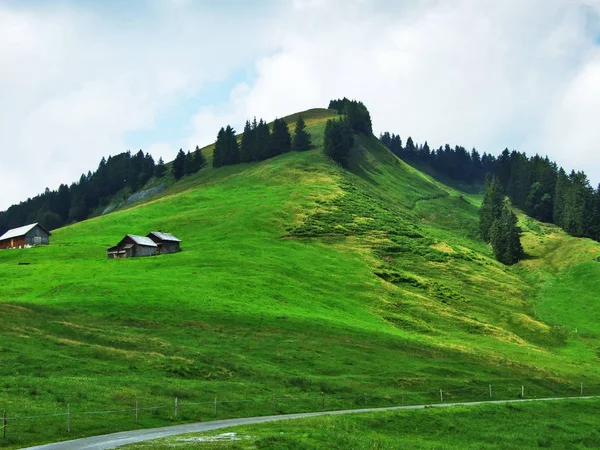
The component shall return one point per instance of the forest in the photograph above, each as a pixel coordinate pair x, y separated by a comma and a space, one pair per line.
534, 184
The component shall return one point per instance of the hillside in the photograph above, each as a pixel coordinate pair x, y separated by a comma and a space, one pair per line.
297, 277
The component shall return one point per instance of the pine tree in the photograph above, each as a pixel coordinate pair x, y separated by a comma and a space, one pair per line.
281, 140
160, 169
491, 208
338, 140
505, 237
189, 164
301, 136
248, 142
263, 138
179, 165
219, 151
199, 159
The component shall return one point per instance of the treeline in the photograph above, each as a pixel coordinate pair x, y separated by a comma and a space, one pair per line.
76, 202
534, 184
69, 204
259, 142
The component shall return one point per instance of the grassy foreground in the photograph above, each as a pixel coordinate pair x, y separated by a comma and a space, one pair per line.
298, 278
559, 424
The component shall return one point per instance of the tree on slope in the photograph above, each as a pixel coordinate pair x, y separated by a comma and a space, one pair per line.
301, 136
338, 140
248, 142
199, 159
281, 140
491, 208
160, 169
179, 165
505, 236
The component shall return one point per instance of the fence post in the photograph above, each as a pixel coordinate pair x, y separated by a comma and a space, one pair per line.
365, 398
403, 398
441, 396
4, 422
522, 391
582, 389
323, 400
490, 391
176, 407
68, 418
136, 411
215, 406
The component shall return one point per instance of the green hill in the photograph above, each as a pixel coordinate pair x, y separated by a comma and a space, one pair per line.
296, 277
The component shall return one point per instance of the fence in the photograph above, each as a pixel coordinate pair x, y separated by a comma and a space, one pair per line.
20, 429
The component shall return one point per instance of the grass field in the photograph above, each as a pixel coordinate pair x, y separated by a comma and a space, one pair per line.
297, 277
560, 424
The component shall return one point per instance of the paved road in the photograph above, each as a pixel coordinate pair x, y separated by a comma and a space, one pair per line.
109, 441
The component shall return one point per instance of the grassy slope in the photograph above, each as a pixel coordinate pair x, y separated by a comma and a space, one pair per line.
563, 424
297, 277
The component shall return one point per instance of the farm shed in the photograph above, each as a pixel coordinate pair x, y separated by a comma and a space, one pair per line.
132, 246
167, 243
33, 234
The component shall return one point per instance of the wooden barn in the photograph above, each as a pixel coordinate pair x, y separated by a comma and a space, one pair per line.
132, 246
33, 234
167, 243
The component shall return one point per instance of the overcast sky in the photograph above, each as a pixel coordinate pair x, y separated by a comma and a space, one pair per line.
80, 80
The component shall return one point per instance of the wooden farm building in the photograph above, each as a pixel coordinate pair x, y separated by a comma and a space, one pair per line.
156, 243
33, 234
131, 246
167, 243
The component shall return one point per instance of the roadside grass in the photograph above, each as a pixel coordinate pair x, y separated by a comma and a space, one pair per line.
554, 424
297, 277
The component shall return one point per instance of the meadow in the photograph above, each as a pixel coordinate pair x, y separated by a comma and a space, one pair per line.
557, 424
297, 277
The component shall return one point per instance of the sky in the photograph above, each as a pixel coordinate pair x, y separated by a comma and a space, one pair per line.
80, 80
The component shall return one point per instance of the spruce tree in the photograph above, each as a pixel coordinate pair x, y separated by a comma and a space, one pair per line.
301, 136
248, 140
232, 149
505, 236
189, 164
491, 208
160, 169
281, 140
263, 138
179, 165
219, 151
338, 140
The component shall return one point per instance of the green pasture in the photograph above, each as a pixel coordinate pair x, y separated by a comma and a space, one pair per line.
297, 277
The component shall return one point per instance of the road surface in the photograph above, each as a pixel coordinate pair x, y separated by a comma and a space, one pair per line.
110, 441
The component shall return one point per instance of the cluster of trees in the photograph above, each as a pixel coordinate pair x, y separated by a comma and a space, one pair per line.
498, 224
534, 184
456, 163
184, 164
76, 202
259, 142
356, 113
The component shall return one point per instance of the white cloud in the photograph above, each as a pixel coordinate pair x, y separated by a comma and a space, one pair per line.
486, 74
478, 73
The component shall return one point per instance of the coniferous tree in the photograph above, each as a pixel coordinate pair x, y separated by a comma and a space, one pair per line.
179, 165
491, 208
248, 142
189, 167
505, 237
199, 159
160, 169
281, 140
232, 146
338, 140
301, 136
263, 138
219, 151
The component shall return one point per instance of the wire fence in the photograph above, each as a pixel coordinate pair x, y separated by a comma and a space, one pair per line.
20, 428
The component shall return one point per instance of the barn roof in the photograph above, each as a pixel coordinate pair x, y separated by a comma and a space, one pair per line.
142, 240
21, 231
165, 236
